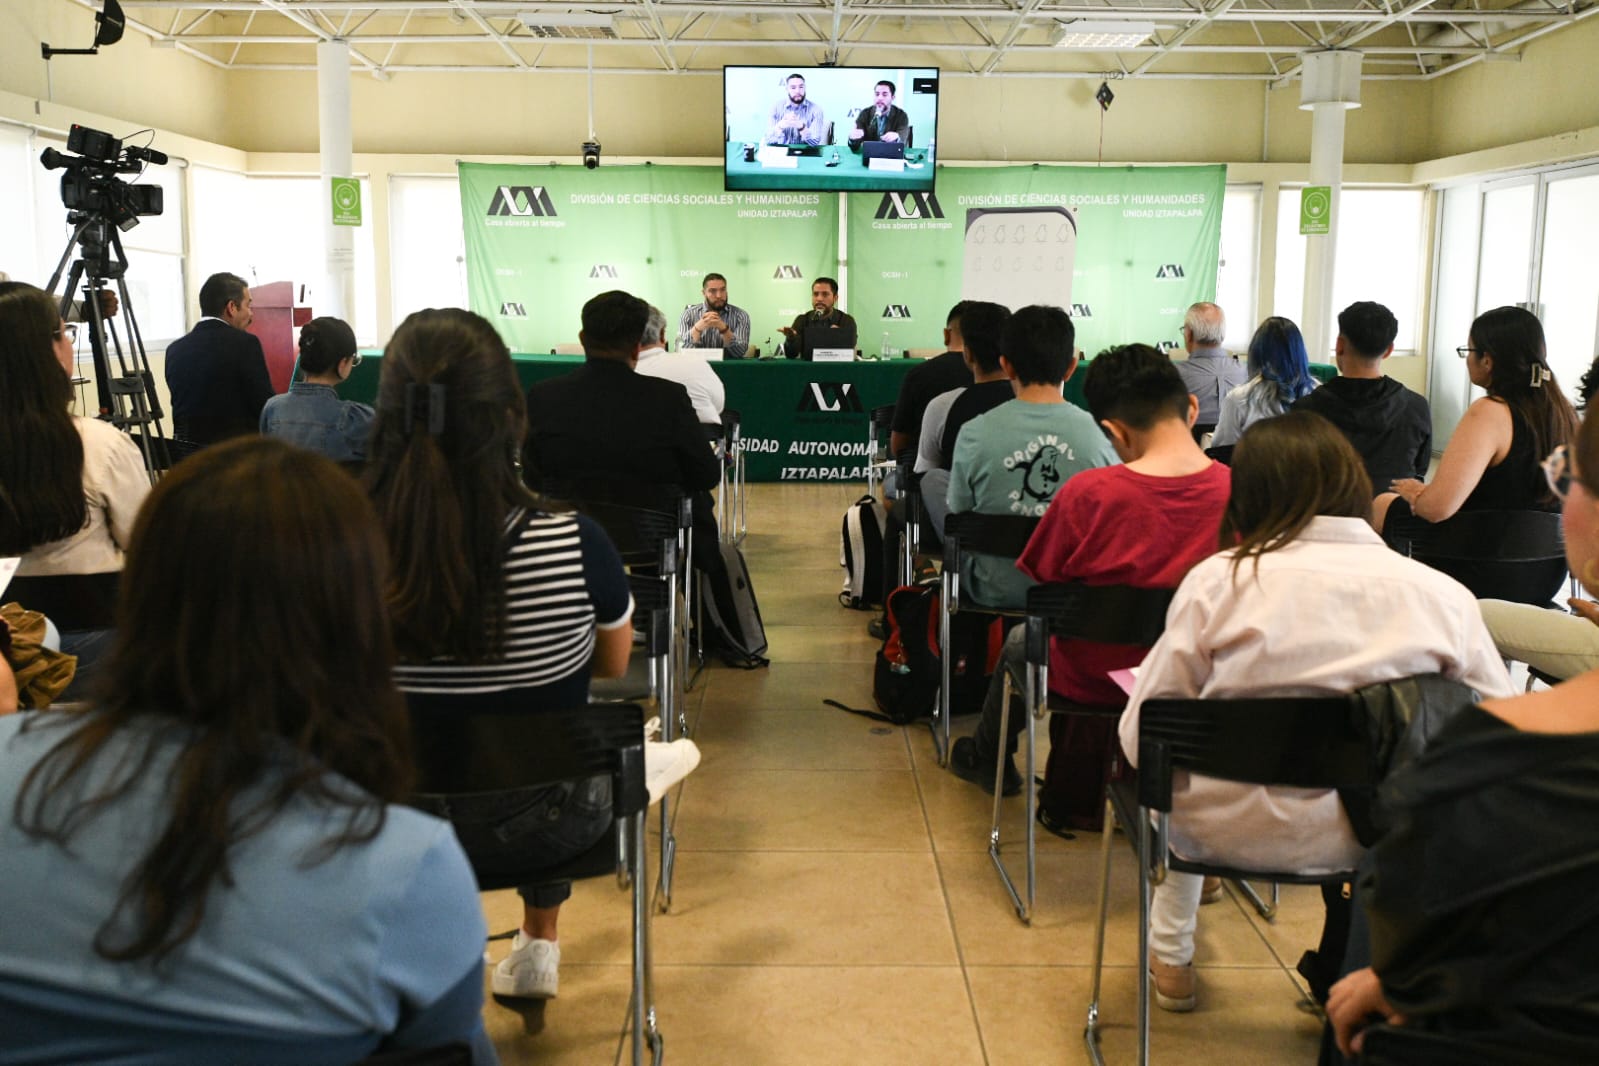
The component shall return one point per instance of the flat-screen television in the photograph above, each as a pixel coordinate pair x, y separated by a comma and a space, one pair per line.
830, 129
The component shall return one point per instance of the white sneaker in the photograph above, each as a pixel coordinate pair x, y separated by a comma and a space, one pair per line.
665, 764
530, 971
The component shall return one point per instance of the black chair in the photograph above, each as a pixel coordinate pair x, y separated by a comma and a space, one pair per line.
970, 533
1200, 429
72, 601
477, 744
732, 505
1504, 555
878, 460
1106, 614
1222, 453
1387, 1045
1313, 742
443, 1055
911, 514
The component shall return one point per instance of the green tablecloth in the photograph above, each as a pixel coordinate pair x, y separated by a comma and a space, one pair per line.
813, 172
801, 421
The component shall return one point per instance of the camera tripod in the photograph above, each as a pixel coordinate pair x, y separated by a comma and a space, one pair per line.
127, 400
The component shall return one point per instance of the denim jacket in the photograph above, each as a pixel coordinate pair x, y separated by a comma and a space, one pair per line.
314, 417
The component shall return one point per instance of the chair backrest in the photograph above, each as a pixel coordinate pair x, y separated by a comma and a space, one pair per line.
1004, 535
882, 417
1296, 741
480, 743
72, 601
1222, 453
652, 602
1488, 536
1105, 614
643, 521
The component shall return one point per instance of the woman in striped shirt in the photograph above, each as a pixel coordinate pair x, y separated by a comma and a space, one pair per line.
492, 593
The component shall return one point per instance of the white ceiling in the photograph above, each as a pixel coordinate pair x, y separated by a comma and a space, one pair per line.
1259, 40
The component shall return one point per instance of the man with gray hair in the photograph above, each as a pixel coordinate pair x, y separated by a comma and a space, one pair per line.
691, 371
1209, 372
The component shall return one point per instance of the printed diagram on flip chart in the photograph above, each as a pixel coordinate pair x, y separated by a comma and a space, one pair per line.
1019, 255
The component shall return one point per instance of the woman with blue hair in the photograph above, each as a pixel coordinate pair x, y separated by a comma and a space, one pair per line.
1279, 374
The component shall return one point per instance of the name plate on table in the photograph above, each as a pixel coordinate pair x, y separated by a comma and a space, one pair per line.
885, 164
833, 355
776, 156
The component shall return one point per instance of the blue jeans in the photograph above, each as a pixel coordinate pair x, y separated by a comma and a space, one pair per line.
89, 645
521, 832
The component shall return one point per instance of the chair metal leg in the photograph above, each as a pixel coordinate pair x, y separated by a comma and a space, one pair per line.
641, 1007
1023, 908
1091, 1031
1266, 910
941, 732
1145, 844
670, 703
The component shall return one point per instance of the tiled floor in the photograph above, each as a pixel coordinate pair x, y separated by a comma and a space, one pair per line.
834, 901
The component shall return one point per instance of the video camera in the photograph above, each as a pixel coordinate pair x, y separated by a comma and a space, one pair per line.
90, 188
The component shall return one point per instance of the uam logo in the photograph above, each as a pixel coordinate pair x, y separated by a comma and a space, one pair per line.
510, 309
1081, 311
787, 272
1168, 346
897, 311
603, 270
909, 205
830, 396
522, 200
1169, 270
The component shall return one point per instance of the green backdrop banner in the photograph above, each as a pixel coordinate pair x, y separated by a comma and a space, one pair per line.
541, 240
1138, 245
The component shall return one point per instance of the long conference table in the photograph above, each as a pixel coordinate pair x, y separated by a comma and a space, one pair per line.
800, 421
809, 172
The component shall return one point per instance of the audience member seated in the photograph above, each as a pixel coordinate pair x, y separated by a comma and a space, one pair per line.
1143, 524
607, 425
1482, 925
311, 414
70, 487
1279, 374
1389, 425
932, 378
217, 373
1209, 372
490, 591
982, 333
1554, 643
1013, 459
1297, 546
1492, 461
688, 369
210, 862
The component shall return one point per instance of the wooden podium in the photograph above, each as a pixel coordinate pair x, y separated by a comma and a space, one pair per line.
280, 309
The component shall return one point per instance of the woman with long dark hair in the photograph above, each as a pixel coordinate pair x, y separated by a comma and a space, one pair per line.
69, 486
1303, 599
490, 591
1482, 924
207, 862
1491, 461
1279, 374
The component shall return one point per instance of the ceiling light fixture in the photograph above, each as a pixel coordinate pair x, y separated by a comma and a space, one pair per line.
578, 24
1087, 33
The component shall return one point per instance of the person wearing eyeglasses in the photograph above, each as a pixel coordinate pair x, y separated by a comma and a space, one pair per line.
70, 486
1492, 461
311, 414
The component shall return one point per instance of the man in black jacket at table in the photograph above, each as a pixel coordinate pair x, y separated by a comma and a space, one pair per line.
620, 432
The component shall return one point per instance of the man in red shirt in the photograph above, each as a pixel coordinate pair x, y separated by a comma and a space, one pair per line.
1143, 523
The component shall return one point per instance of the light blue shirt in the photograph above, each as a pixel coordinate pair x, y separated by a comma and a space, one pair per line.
1011, 460
314, 958
313, 417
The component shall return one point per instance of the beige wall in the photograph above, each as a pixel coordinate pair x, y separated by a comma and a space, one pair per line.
137, 84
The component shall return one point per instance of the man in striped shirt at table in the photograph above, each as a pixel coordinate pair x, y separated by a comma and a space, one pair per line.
714, 323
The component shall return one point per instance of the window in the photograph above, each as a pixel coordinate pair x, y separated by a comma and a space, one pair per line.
427, 250
1380, 242
1568, 299
1235, 276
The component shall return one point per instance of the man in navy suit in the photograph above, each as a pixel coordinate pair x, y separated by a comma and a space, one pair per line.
217, 373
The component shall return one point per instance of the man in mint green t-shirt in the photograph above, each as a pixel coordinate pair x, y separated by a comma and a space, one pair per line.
1013, 458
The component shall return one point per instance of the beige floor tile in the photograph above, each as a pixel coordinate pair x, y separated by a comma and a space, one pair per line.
791, 686
801, 810
812, 908
809, 597
1062, 929
1245, 1018
807, 737
1297, 925
580, 1027
809, 1016
819, 644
